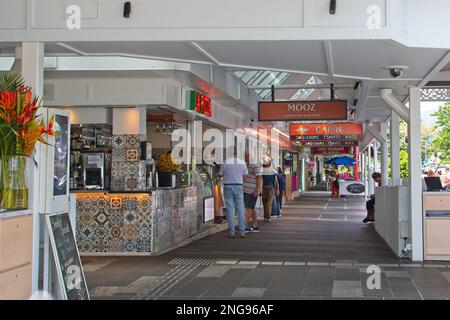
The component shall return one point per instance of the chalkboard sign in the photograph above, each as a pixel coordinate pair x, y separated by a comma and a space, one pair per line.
67, 257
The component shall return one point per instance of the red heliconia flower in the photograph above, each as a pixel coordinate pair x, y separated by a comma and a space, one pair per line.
48, 131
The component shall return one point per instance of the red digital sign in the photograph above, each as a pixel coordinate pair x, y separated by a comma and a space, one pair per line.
200, 103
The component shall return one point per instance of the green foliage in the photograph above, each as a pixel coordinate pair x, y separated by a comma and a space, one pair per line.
441, 145
11, 81
403, 163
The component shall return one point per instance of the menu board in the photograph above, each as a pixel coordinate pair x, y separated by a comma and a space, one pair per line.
61, 150
67, 257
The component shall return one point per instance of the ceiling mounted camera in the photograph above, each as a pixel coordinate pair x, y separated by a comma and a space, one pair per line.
397, 71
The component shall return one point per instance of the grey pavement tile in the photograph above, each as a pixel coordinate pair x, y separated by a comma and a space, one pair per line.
347, 274
318, 264
343, 264
435, 293
389, 265
348, 289
411, 265
242, 292
214, 271
244, 266
176, 298
403, 298
249, 262
195, 287
428, 265
271, 263
397, 274
226, 262
291, 263
104, 291
256, 282
403, 287
446, 275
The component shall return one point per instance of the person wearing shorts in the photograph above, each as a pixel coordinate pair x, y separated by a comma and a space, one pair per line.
252, 189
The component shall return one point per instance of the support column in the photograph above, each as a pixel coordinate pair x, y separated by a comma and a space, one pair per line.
358, 163
415, 178
395, 149
384, 155
375, 157
370, 181
365, 172
32, 69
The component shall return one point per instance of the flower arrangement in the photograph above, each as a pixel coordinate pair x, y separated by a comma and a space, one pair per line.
20, 129
166, 164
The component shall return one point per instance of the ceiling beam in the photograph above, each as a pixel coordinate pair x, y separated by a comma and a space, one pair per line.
435, 70
329, 58
203, 52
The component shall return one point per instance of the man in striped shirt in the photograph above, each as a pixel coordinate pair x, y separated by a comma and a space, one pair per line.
252, 189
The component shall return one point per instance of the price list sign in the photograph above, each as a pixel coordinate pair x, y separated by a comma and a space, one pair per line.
67, 257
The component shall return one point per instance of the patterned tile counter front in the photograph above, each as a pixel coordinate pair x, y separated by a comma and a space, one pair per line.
134, 223
114, 223
174, 216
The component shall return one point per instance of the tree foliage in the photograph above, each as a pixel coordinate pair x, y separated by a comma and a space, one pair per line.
441, 144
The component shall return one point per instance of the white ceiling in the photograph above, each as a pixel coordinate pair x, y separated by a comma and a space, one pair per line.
337, 61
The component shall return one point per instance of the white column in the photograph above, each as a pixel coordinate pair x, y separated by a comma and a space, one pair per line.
370, 171
375, 157
33, 73
366, 170
395, 149
384, 155
415, 178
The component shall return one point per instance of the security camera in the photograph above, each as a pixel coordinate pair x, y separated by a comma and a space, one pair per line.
397, 71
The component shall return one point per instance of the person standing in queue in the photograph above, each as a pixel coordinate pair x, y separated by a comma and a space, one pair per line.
282, 184
268, 175
233, 172
252, 189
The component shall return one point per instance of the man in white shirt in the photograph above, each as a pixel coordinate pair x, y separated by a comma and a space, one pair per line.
233, 171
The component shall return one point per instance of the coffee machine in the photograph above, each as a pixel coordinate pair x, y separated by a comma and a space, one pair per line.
94, 170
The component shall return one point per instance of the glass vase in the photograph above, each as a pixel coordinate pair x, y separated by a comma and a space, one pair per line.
14, 192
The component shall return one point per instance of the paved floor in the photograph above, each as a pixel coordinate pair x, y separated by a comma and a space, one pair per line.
318, 249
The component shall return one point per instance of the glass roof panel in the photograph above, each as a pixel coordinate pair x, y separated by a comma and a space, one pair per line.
262, 78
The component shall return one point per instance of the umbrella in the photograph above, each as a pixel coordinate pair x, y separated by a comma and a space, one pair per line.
341, 161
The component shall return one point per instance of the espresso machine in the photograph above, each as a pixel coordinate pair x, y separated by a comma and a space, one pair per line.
94, 170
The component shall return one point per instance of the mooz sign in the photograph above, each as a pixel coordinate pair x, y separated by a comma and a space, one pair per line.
302, 110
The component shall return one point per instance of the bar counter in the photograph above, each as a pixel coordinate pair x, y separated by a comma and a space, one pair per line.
134, 223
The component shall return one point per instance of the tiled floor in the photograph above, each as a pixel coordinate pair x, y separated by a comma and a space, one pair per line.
318, 249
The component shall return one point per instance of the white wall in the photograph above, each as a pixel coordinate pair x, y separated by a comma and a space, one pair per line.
89, 115
129, 120
413, 22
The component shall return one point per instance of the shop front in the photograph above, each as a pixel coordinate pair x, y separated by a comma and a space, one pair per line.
127, 195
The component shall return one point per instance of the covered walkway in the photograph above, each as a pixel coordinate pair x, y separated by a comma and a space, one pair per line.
314, 228
318, 249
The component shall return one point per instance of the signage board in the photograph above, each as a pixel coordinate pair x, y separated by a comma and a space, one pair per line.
208, 209
200, 103
327, 143
351, 188
302, 110
67, 258
330, 150
326, 131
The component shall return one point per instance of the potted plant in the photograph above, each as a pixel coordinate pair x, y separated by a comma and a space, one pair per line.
20, 129
166, 170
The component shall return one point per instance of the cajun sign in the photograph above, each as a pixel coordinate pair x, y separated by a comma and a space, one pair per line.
326, 131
